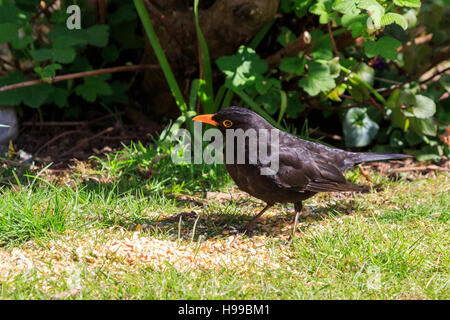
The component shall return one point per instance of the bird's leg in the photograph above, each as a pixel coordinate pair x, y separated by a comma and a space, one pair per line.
298, 209
248, 227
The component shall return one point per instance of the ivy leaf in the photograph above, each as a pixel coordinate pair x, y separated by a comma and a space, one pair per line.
424, 126
242, 68
93, 87
408, 3
286, 37
419, 106
318, 80
391, 17
294, 65
385, 46
359, 129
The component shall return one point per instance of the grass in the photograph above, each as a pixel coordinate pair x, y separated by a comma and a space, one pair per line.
131, 225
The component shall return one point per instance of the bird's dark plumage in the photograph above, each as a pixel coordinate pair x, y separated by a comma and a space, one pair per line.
305, 167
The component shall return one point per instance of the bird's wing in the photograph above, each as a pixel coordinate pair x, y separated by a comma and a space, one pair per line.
301, 170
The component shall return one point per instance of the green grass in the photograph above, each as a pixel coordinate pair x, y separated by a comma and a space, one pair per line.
391, 244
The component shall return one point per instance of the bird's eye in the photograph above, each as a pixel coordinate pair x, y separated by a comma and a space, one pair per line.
227, 123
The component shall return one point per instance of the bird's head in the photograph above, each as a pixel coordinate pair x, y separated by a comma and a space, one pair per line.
234, 118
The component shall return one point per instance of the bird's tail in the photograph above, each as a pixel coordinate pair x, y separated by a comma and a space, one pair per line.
370, 156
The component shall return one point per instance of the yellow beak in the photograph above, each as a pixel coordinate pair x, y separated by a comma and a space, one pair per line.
206, 118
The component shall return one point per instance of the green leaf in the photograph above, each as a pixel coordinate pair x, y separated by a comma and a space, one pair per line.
385, 46
356, 24
396, 139
294, 106
60, 96
41, 54
299, 6
119, 93
412, 138
264, 85
407, 3
359, 129
445, 82
424, 126
35, 96
242, 68
428, 153
294, 65
123, 14
375, 12
270, 101
346, 7
68, 41
61, 55
286, 36
97, 35
391, 17
64, 55
12, 97
323, 48
110, 53
318, 80
8, 32
323, 8
422, 107
48, 71
20, 43
93, 87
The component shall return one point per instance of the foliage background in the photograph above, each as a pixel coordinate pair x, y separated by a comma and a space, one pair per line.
371, 72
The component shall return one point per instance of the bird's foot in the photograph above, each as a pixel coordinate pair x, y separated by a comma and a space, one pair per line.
247, 229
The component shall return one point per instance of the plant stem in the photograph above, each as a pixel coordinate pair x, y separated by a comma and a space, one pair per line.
160, 55
247, 99
363, 83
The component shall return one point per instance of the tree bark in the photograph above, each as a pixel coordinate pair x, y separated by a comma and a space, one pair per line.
226, 24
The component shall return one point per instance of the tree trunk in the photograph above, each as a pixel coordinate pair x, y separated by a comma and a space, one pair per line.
226, 24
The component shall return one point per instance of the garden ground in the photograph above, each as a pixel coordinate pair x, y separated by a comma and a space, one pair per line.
133, 226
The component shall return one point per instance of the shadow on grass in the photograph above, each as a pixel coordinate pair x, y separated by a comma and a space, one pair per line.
199, 218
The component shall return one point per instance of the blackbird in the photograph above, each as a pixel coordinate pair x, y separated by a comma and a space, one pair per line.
304, 169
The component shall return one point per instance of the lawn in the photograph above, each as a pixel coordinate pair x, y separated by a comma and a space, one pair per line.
131, 225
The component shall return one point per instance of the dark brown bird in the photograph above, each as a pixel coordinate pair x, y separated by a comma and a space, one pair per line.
305, 168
